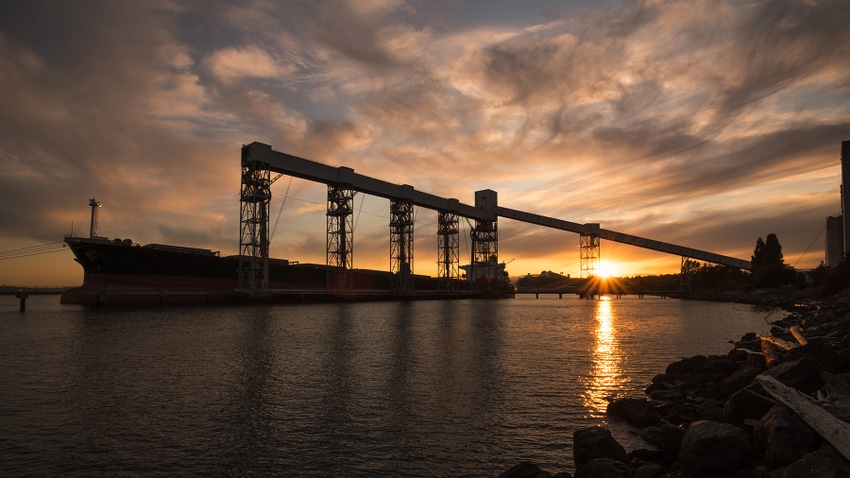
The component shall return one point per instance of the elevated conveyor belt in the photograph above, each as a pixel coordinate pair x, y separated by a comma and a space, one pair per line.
594, 229
310, 170
322, 173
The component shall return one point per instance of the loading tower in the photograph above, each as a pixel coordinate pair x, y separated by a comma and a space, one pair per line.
255, 196
93, 227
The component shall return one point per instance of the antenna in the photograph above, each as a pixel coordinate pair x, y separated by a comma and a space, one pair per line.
94, 205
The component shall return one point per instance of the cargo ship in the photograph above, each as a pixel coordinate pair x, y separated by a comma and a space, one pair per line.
120, 272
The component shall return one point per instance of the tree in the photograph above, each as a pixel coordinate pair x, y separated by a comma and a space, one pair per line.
768, 264
767, 253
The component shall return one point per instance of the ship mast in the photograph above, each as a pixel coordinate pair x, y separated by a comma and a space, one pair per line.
94, 205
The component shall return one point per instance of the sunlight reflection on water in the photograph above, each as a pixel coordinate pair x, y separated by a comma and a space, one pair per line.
606, 359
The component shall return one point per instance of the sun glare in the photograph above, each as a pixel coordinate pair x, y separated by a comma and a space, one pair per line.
606, 269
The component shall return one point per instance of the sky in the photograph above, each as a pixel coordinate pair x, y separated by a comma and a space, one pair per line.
703, 123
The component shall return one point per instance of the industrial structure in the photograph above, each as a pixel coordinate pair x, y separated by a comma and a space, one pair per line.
837, 243
93, 225
259, 161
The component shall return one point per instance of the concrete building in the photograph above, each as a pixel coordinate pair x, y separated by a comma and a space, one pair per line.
837, 227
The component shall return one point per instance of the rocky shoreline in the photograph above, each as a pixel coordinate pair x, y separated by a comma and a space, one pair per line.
774, 406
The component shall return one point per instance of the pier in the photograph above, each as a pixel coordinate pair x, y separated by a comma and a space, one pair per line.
259, 161
484, 276
561, 292
22, 293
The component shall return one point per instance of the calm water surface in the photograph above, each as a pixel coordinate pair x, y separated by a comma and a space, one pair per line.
433, 388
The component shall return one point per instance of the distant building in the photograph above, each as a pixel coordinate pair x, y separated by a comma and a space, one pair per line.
834, 245
837, 228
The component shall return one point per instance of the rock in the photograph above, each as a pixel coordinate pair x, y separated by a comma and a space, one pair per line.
757, 360
737, 356
711, 409
640, 457
783, 436
822, 464
651, 470
604, 468
670, 439
677, 412
710, 448
802, 374
750, 402
638, 412
665, 394
525, 469
720, 365
595, 442
685, 366
738, 380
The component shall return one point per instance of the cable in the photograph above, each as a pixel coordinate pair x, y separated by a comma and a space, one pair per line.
810, 246
359, 210
285, 195
31, 250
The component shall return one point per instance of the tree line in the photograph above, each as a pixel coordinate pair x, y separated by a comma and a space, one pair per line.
769, 271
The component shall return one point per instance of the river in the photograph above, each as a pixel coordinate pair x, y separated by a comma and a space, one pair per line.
427, 388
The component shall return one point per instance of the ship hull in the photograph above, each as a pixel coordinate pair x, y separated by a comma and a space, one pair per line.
119, 274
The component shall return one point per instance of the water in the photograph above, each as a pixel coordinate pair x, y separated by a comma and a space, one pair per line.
442, 388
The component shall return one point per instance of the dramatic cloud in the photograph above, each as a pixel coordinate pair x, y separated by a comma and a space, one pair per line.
706, 123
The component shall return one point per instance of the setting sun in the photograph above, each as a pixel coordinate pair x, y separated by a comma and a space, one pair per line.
607, 269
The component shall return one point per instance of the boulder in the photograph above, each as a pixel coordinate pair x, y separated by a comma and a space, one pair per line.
738, 380
677, 412
751, 402
783, 436
757, 360
595, 442
604, 468
721, 365
670, 439
525, 469
710, 448
659, 393
822, 464
711, 409
685, 366
651, 470
737, 355
802, 374
638, 412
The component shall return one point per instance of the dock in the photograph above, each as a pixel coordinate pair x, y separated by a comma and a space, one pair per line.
23, 293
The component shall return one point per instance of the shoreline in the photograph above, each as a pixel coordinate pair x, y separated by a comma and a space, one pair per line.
774, 406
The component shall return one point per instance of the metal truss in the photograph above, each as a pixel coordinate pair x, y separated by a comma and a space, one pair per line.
448, 251
485, 253
255, 196
589, 253
340, 236
401, 245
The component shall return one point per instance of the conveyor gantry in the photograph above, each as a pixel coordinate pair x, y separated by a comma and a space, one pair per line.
343, 182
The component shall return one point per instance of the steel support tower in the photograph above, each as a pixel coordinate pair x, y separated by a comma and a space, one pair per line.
255, 196
589, 254
448, 250
401, 246
485, 252
93, 226
340, 236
